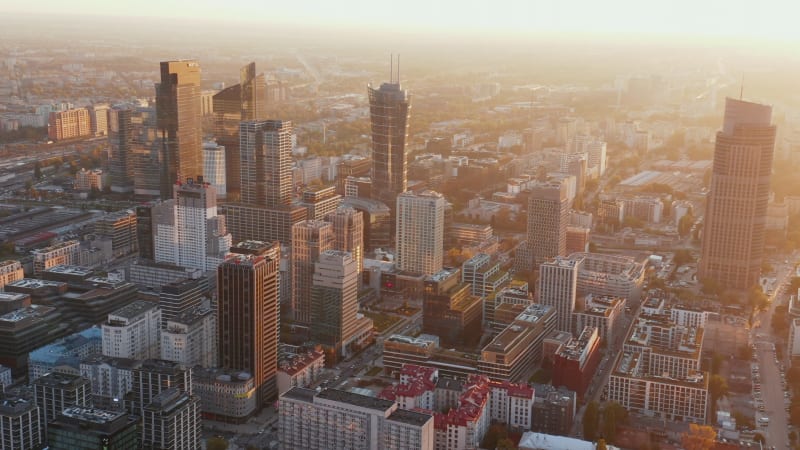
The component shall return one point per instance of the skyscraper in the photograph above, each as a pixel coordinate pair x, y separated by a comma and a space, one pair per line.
389, 112
310, 238
266, 163
120, 151
214, 168
334, 301
733, 234
548, 217
195, 236
558, 286
348, 233
245, 101
420, 232
248, 314
179, 122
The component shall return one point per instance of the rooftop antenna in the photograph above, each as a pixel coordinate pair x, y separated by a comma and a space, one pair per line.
391, 68
398, 68
741, 90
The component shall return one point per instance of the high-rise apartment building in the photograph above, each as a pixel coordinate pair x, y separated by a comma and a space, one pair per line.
98, 119
195, 236
420, 232
133, 331
171, 421
214, 167
248, 314
245, 101
310, 239
69, 124
179, 123
389, 112
266, 163
558, 285
734, 230
334, 301
348, 233
548, 217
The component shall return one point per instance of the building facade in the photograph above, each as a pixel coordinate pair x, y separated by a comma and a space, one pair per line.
420, 232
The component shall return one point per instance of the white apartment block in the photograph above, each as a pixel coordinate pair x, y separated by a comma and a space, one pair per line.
110, 378
133, 331
688, 316
420, 232
512, 404
558, 285
10, 271
339, 419
191, 338
65, 253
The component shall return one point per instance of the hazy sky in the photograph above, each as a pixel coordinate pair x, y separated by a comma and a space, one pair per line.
771, 19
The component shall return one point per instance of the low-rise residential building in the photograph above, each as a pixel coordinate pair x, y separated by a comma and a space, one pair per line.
110, 378
300, 369
65, 355
10, 271
64, 253
311, 420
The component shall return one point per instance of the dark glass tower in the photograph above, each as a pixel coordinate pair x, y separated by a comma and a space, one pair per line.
241, 102
179, 123
389, 111
736, 214
121, 139
248, 314
266, 163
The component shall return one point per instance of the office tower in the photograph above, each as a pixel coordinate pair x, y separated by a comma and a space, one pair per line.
378, 223
348, 233
248, 314
309, 239
87, 428
450, 311
334, 302
179, 123
241, 102
420, 232
56, 391
319, 202
548, 217
195, 236
389, 112
120, 227
120, 149
133, 331
152, 377
23, 426
171, 421
214, 167
181, 296
734, 231
191, 338
558, 284
311, 420
265, 149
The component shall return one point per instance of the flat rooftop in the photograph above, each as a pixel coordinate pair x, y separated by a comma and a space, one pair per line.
80, 271
25, 313
34, 283
410, 417
355, 399
93, 415
134, 309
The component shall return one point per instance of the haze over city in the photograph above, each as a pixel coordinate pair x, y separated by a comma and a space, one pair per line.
419, 225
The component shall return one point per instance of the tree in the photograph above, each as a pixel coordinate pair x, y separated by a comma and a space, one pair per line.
699, 437
614, 415
717, 388
506, 444
601, 444
591, 418
37, 170
682, 257
216, 443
